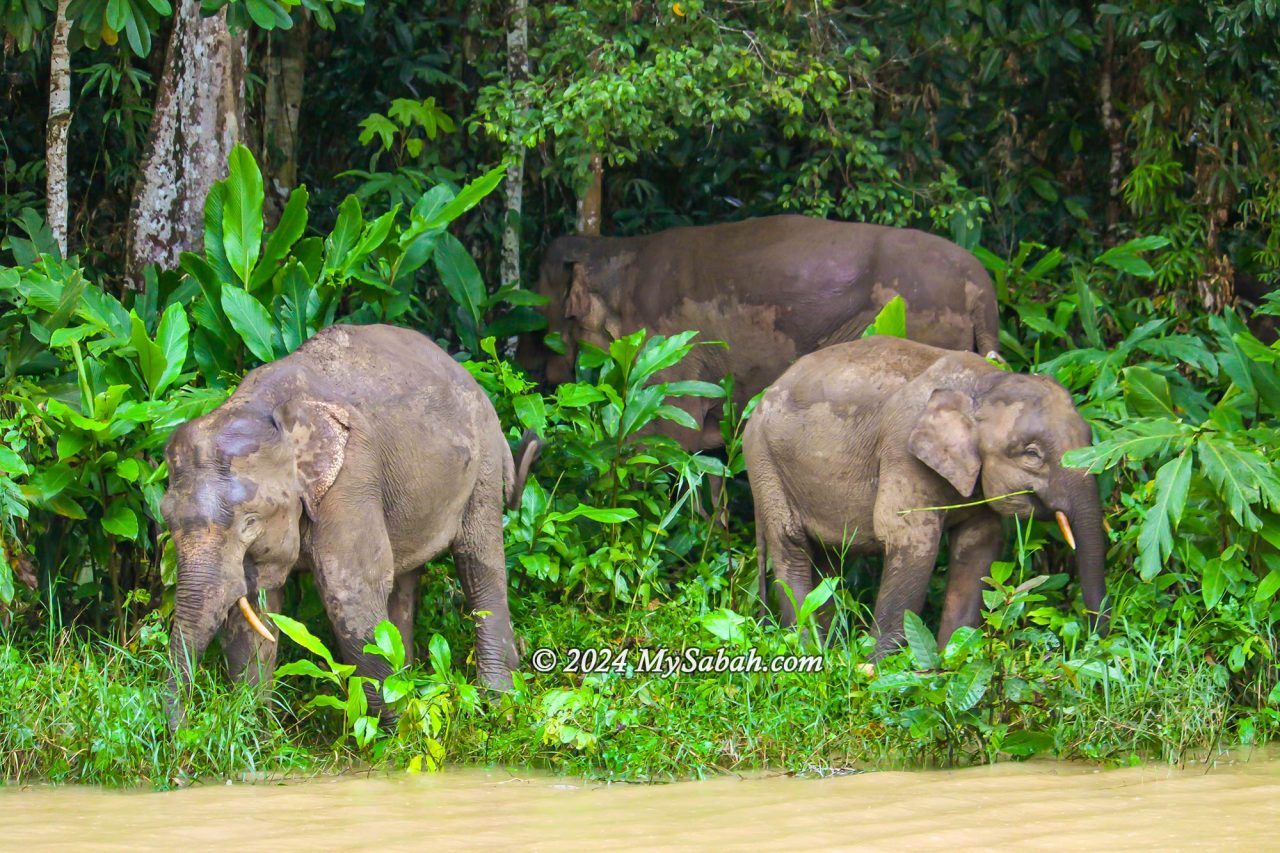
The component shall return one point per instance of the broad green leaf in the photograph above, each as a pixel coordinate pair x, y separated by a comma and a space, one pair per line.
120, 520
171, 341
389, 643
725, 624
967, 687
605, 516
531, 411
11, 463
438, 654
342, 239
460, 276
296, 631
250, 320
923, 646
242, 214
1213, 582
292, 224
694, 388
467, 198
1147, 393
306, 667
1155, 540
891, 320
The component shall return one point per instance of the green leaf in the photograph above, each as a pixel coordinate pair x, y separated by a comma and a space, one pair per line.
296, 631
891, 321
250, 320
531, 411
11, 463
695, 388
292, 224
605, 516
467, 198
242, 214
1213, 582
171, 341
120, 520
1155, 540
151, 360
460, 276
438, 654
923, 646
342, 239
1147, 393
967, 687
306, 667
389, 644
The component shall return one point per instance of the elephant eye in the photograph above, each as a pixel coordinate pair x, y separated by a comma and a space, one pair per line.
249, 525
1032, 453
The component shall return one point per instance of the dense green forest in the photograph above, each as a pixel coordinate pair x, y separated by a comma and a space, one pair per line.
191, 189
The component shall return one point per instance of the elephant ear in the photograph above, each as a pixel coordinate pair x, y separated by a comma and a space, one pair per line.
318, 432
945, 438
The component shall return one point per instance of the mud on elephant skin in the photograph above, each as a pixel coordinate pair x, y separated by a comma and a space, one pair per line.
774, 289
858, 447
360, 456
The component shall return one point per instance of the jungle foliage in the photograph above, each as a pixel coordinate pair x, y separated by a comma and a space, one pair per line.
1114, 165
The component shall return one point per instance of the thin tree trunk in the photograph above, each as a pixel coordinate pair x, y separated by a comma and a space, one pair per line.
198, 118
282, 102
591, 204
517, 73
56, 132
1115, 136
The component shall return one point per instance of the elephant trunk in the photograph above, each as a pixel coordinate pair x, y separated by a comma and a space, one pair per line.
1083, 511
209, 582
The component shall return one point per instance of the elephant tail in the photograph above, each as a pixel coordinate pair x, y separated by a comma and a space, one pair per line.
516, 468
984, 313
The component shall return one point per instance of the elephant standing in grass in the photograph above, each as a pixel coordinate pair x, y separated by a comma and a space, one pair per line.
773, 289
360, 456
869, 447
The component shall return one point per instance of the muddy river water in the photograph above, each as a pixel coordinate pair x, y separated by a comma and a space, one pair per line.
1032, 806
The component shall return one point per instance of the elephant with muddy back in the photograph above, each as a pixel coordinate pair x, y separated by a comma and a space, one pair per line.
881, 445
360, 456
773, 289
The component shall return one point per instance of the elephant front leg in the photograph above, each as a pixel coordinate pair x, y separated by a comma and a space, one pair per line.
480, 558
250, 658
911, 550
975, 545
354, 573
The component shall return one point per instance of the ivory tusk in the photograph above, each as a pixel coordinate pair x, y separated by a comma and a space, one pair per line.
1065, 527
254, 622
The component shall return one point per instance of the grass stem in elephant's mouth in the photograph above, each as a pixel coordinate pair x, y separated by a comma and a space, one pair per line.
979, 502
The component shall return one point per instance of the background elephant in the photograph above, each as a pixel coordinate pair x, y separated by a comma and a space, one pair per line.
847, 447
360, 456
773, 289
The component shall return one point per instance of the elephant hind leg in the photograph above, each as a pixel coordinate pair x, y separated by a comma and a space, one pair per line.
480, 558
402, 607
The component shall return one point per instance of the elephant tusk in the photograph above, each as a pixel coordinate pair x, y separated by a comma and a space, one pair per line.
1065, 527
254, 622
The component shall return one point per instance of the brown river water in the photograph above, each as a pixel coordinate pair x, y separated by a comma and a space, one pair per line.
1031, 806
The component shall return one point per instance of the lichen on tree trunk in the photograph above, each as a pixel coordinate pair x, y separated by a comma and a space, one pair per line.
198, 118
56, 130
517, 73
591, 203
286, 67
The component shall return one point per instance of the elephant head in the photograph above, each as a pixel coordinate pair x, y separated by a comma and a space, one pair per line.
577, 309
1009, 431
240, 482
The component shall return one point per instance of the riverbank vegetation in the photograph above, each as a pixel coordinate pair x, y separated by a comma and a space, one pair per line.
1115, 169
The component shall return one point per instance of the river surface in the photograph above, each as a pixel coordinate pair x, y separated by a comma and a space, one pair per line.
1031, 806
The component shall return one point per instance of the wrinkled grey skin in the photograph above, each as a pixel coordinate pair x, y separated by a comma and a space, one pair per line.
360, 456
853, 436
774, 289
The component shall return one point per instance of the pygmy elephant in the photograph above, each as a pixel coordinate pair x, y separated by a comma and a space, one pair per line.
773, 289
864, 446
360, 456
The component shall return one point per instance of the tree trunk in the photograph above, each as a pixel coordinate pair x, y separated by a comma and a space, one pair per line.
286, 68
591, 204
198, 118
56, 132
517, 73
1115, 135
